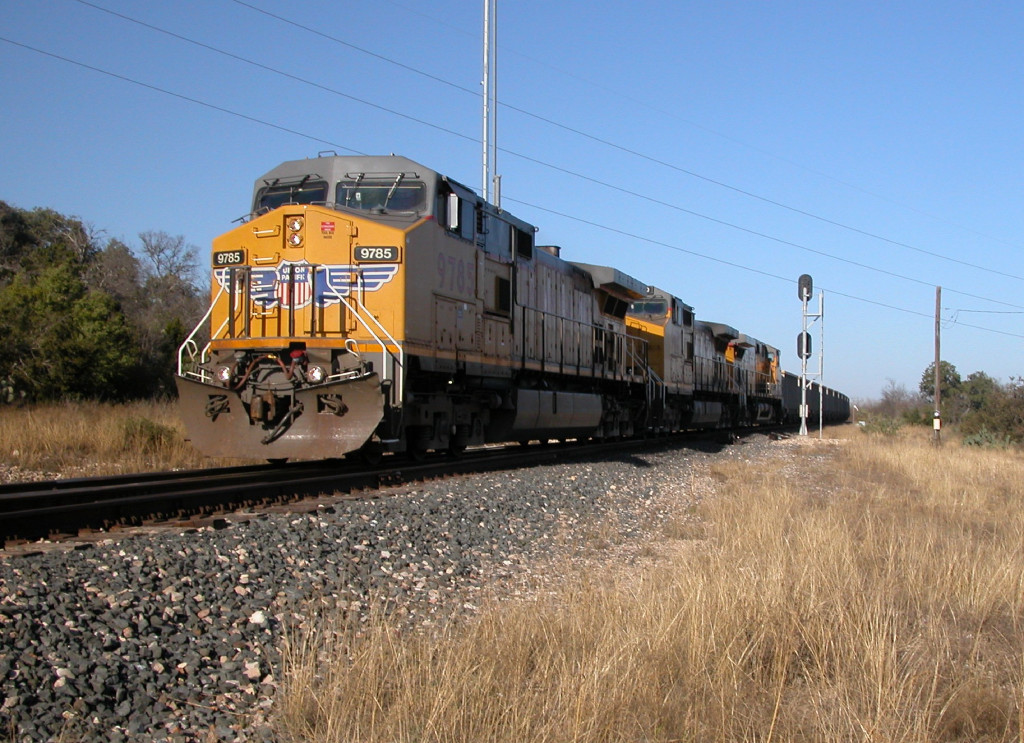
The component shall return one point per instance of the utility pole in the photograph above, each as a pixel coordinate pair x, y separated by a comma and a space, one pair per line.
937, 420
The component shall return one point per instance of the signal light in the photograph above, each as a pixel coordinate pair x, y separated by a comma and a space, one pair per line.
803, 345
805, 287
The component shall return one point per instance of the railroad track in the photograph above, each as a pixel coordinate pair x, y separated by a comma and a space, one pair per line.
58, 509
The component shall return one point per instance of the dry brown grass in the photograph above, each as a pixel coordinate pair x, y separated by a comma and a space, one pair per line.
84, 439
872, 596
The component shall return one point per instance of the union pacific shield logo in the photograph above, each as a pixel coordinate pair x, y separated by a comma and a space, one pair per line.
293, 288
294, 285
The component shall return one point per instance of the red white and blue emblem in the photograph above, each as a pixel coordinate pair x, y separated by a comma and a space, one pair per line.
294, 285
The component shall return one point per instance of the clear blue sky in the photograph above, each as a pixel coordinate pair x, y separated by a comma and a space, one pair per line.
714, 149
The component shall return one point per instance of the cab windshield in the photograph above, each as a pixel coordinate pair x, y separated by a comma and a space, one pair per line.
302, 192
391, 194
653, 307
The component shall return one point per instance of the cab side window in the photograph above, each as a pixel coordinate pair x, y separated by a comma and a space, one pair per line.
460, 215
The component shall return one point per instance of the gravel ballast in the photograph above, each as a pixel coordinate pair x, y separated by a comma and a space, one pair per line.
175, 635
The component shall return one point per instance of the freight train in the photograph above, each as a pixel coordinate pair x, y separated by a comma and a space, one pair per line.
370, 304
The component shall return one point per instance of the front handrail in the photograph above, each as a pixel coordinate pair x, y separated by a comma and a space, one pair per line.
398, 359
189, 352
190, 343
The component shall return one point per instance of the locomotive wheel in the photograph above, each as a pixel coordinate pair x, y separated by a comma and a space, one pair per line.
417, 442
416, 452
277, 460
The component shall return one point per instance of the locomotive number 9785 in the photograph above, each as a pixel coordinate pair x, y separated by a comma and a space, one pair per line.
376, 254
229, 258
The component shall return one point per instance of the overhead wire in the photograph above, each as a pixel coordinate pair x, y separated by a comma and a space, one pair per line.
626, 96
613, 145
519, 155
546, 120
463, 136
742, 267
180, 96
756, 233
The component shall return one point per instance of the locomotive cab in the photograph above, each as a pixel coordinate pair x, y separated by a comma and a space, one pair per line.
665, 324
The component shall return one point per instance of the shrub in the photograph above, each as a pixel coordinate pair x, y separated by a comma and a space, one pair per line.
987, 439
142, 434
882, 425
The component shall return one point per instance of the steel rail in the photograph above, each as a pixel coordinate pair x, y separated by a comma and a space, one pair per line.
59, 508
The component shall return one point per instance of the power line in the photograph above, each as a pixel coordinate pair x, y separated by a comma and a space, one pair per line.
198, 102
986, 312
756, 233
534, 206
621, 148
767, 200
321, 34
262, 66
522, 156
671, 115
742, 267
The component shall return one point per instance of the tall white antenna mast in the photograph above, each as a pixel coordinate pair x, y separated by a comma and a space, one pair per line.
490, 100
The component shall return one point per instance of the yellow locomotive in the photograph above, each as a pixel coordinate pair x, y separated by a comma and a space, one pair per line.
372, 303
708, 374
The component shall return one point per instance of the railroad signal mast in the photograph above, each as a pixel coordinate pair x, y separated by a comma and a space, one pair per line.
805, 290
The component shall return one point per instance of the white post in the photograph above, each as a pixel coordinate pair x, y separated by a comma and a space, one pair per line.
821, 364
486, 176
489, 138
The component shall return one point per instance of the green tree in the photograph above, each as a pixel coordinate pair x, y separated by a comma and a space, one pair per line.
116, 271
32, 240
83, 321
949, 381
979, 390
1000, 415
63, 339
950, 388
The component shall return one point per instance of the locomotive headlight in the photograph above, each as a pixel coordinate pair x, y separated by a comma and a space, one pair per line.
315, 374
223, 373
295, 225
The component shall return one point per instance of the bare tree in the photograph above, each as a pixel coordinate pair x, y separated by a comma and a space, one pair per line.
168, 255
896, 399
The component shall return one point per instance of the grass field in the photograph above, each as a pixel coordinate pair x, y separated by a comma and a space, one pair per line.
85, 439
866, 590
